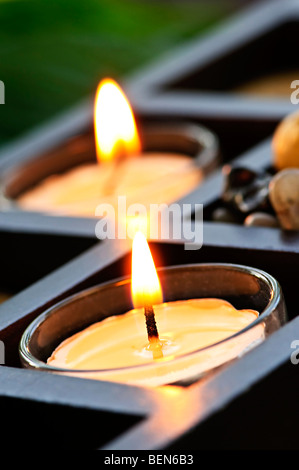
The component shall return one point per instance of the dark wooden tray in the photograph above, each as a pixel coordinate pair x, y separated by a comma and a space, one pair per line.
258, 393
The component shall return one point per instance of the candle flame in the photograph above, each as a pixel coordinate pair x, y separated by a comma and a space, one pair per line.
146, 288
116, 132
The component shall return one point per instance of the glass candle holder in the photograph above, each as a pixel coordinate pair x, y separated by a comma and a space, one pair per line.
244, 287
199, 144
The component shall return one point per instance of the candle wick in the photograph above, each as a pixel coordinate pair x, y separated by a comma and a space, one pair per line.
116, 172
151, 325
114, 177
152, 332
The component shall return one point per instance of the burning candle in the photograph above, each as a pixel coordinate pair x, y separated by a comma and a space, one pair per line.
122, 167
158, 343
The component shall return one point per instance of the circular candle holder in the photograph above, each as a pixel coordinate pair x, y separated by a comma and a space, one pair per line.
244, 287
191, 140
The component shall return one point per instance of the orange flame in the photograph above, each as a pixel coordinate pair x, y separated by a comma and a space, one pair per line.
146, 288
116, 132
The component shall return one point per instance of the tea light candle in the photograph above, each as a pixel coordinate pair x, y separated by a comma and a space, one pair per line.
163, 349
122, 168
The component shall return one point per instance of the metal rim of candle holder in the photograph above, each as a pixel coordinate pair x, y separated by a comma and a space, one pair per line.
275, 303
191, 139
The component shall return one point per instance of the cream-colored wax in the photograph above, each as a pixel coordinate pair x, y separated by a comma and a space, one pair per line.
184, 327
146, 179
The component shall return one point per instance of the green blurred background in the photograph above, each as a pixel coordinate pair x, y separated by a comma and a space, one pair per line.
54, 52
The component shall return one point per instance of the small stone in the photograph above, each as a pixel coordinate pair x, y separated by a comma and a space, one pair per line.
221, 214
238, 177
284, 197
285, 143
261, 219
245, 190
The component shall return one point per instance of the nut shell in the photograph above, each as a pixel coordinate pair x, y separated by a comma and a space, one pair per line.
284, 197
285, 143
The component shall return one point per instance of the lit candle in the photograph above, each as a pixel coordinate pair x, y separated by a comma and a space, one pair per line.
122, 168
166, 341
